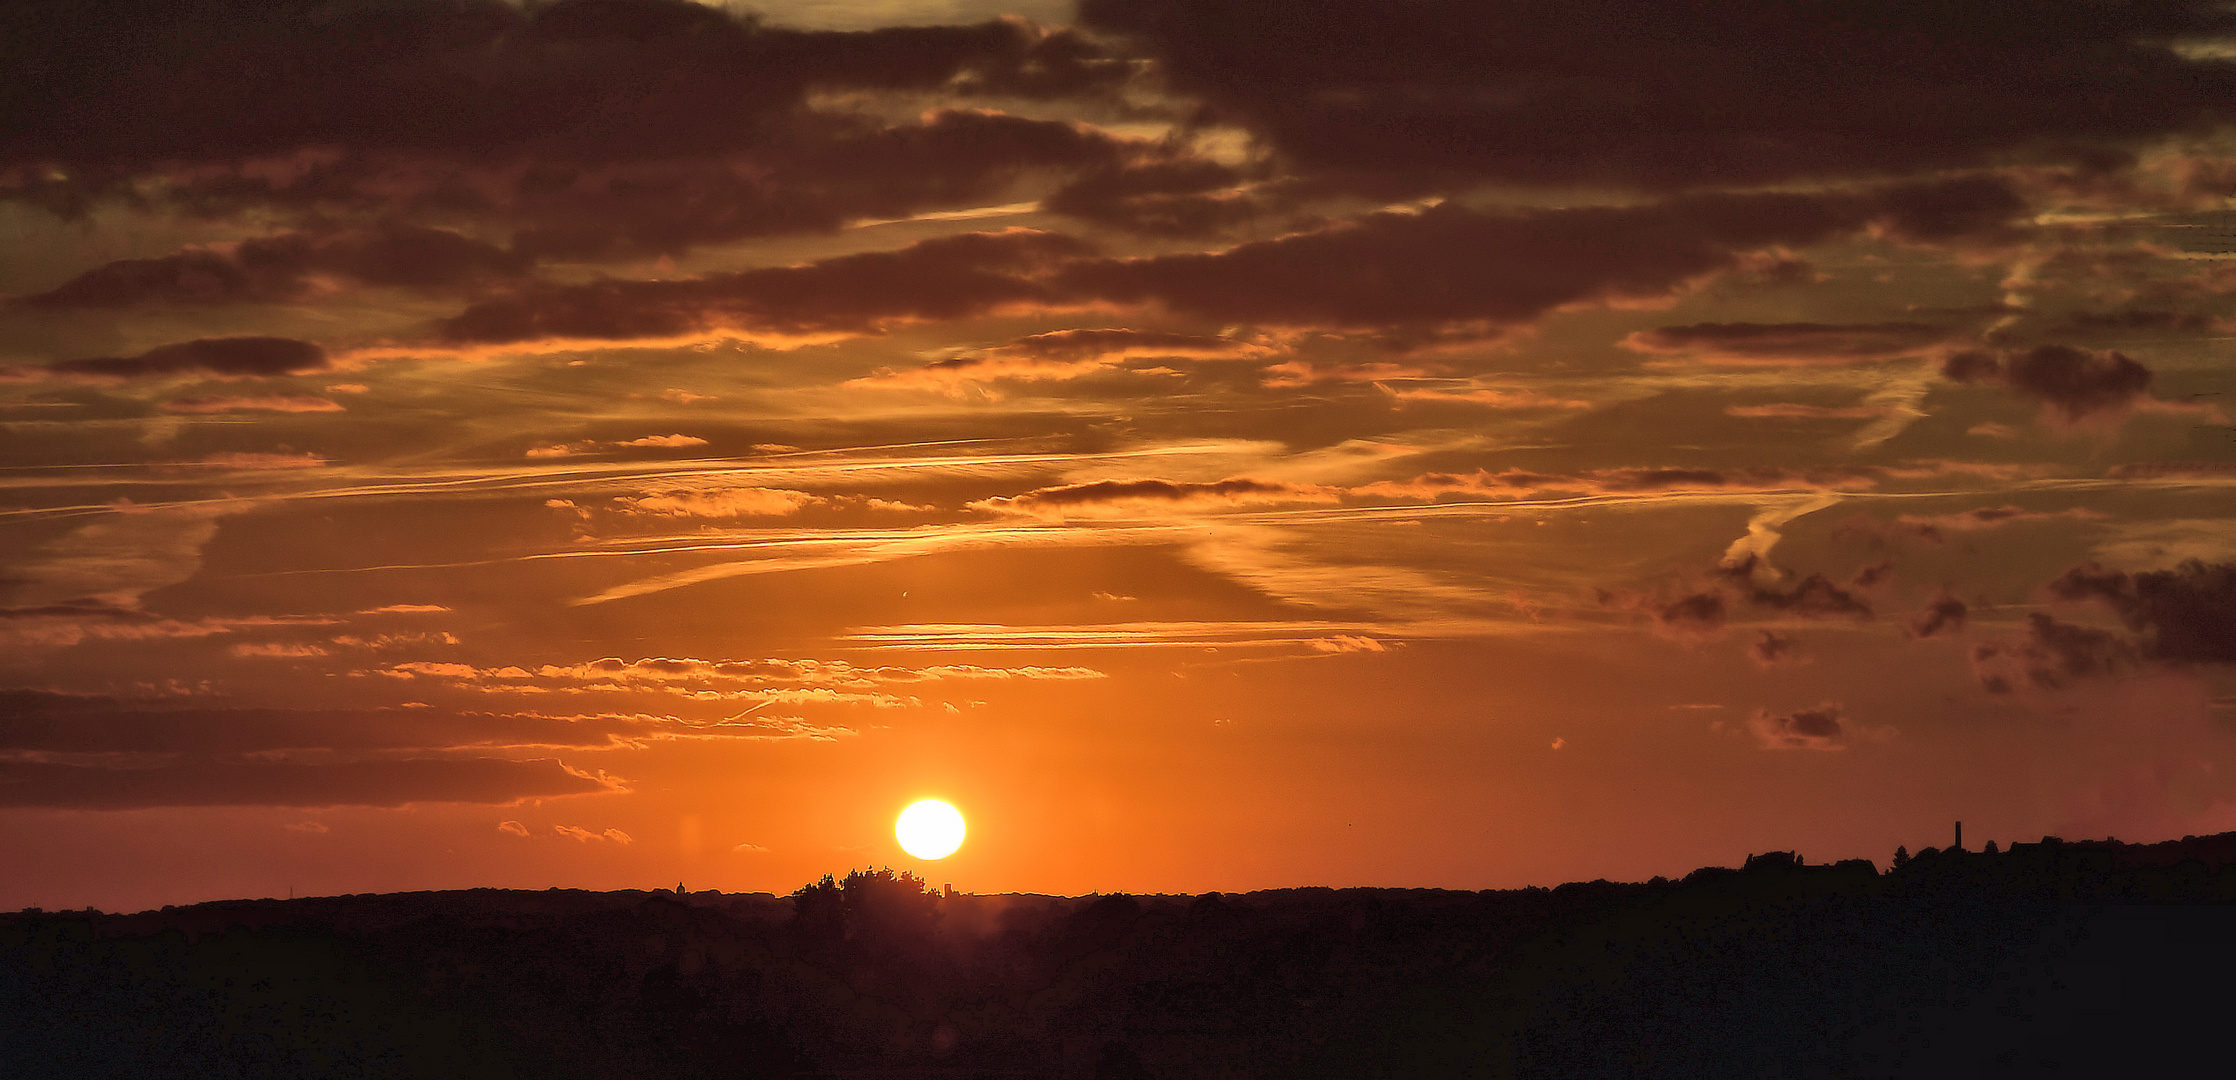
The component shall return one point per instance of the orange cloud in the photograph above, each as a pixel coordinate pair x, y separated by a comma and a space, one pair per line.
1065, 354
284, 403
1112, 497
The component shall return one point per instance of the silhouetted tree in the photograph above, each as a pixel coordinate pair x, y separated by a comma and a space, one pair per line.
1901, 857
819, 910
1991, 848
877, 904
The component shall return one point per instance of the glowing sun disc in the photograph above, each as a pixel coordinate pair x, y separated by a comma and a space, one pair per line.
929, 829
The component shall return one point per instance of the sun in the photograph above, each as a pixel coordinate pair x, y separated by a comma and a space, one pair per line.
930, 829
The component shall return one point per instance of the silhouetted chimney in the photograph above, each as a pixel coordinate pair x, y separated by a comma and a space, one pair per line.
950, 887
679, 888
1959, 845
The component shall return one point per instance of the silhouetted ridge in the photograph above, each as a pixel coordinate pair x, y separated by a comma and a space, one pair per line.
2088, 957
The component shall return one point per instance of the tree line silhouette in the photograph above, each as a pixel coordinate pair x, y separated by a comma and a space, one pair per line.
2091, 956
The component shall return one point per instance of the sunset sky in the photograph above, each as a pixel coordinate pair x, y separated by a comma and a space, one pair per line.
1215, 444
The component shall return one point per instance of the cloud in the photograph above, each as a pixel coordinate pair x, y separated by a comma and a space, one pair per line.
1933, 527
387, 783
584, 836
810, 172
98, 619
257, 461
289, 267
226, 357
1480, 397
719, 503
1822, 728
285, 650
609, 124
404, 609
1178, 197
2072, 384
1346, 643
2052, 656
512, 828
1773, 649
94, 575
2185, 615
1064, 354
1634, 480
1451, 265
1747, 582
591, 446
280, 403
1943, 612
1694, 616
47, 724
2175, 470
1445, 265
1136, 496
1813, 597
1613, 92
1781, 344
970, 671
1793, 411
944, 278
805, 681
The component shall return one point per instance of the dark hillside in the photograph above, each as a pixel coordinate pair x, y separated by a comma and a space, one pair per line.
2050, 959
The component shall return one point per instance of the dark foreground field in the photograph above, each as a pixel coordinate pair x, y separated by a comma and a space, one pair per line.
2079, 959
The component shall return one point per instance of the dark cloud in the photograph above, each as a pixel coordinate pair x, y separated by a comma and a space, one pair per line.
1872, 576
588, 129
2053, 655
1664, 96
1449, 264
105, 90
1692, 616
944, 278
248, 357
1185, 197
1821, 728
1772, 649
2186, 615
1945, 612
1813, 597
816, 176
2075, 384
283, 783
287, 267
1444, 265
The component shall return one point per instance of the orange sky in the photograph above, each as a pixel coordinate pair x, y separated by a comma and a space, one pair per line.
1216, 444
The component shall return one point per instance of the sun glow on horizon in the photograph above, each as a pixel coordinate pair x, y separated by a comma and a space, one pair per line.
929, 829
